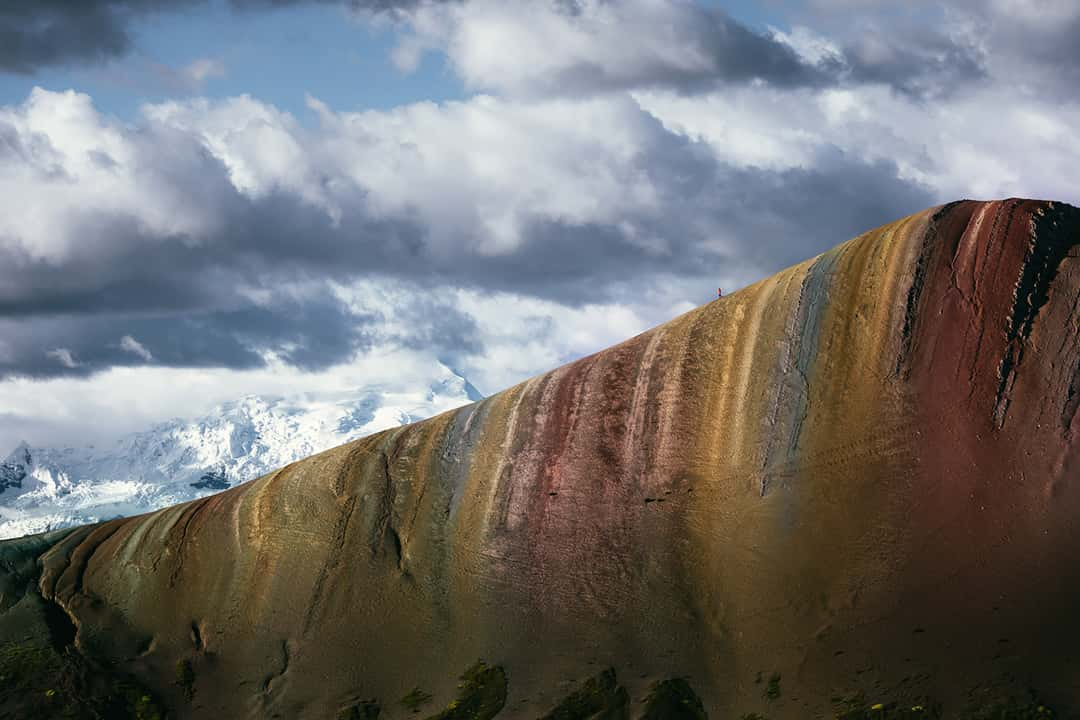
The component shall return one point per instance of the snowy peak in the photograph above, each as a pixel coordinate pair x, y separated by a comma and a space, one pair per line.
15, 467
179, 460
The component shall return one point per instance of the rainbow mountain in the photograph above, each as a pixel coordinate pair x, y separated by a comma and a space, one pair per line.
850, 490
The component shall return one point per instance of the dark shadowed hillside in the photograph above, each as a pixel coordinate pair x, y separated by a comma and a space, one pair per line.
851, 490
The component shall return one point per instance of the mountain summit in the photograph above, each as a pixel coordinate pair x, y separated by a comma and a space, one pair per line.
849, 490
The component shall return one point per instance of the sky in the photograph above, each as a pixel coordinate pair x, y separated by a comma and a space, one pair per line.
206, 198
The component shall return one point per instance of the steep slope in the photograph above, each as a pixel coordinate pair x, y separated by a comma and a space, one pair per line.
855, 482
49, 488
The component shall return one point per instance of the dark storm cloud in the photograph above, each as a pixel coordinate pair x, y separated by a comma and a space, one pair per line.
735, 54
35, 33
920, 63
189, 305
789, 216
1051, 52
437, 325
40, 33
741, 55
931, 50
370, 5
310, 333
275, 240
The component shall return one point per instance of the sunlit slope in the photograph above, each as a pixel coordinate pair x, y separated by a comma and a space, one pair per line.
858, 474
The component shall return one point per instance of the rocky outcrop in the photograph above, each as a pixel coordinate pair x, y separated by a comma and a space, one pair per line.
213, 480
854, 482
13, 470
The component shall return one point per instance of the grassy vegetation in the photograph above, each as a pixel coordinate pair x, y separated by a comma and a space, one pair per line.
185, 678
40, 682
889, 711
772, 690
415, 699
984, 703
992, 703
481, 694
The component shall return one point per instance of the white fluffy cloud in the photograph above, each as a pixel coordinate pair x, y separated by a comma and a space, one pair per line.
63, 162
525, 46
472, 171
136, 348
490, 184
982, 144
200, 70
63, 356
574, 47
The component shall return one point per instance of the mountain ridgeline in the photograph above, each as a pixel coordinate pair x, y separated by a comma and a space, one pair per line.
850, 490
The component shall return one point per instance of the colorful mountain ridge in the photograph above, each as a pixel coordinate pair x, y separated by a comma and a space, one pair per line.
850, 490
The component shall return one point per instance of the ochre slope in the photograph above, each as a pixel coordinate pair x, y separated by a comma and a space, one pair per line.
859, 474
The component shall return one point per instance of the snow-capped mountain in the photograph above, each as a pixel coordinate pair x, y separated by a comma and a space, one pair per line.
48, 488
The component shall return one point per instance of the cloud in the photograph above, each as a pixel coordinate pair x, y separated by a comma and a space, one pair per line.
132, 345
579, 47
1033, 44
41, 33
310, 333
560, 47
154, 78
550, 48
63, 356
191, 78
199, 70
216, 232
937, 49
981, 144
35, 33
930, 67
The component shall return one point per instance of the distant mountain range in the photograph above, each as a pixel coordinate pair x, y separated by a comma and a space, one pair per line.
49, 488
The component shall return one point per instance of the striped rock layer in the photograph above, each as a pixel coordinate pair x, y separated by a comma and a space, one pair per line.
860, 474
